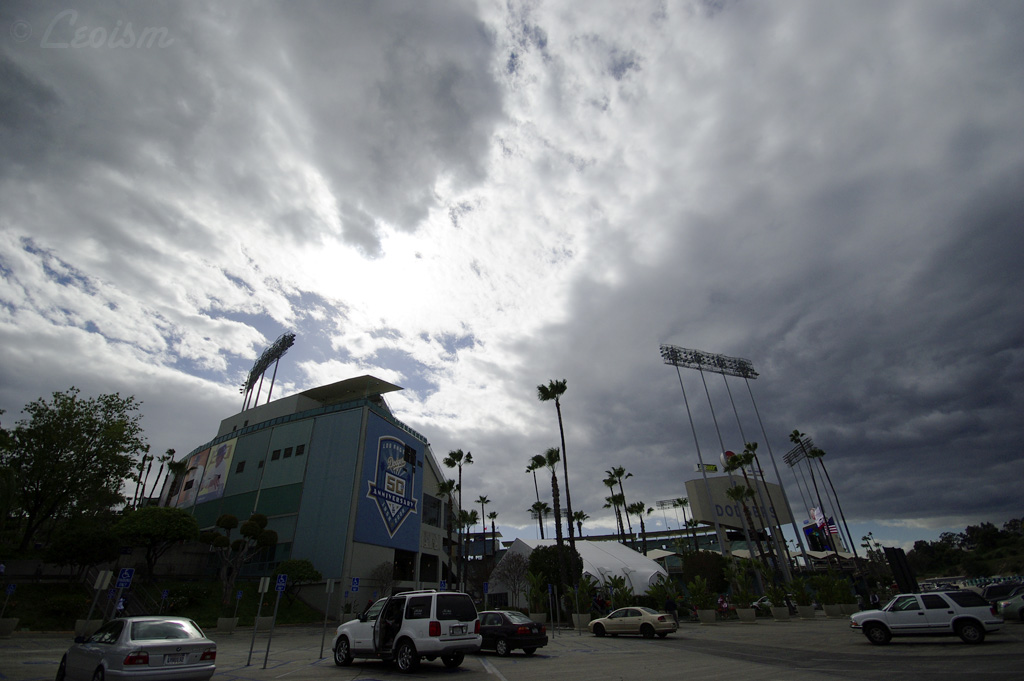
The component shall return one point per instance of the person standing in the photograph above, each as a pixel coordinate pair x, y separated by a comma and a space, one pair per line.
670, 608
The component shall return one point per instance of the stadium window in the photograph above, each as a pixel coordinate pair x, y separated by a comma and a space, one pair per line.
188, 485
300, 450
287, 452
275, 455
240, 467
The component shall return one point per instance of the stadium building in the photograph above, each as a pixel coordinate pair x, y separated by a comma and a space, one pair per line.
343, 482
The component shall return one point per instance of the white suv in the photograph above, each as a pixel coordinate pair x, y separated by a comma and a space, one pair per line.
412, 625
964, 613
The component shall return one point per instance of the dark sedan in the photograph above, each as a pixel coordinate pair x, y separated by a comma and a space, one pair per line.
506, 630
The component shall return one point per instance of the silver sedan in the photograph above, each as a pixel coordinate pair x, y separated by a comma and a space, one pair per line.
141, 649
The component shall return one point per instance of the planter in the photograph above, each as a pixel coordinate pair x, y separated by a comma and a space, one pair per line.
264, 623
7, 626
747, 615
348, 617
226, 624
805, 612
706, 616
833, 610
87, 628
541, 617
849, 608
580, 620
780, 613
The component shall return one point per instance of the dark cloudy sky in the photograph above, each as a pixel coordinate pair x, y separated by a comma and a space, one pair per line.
471, 198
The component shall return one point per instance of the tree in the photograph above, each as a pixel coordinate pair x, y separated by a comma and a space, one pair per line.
446, 488
299, 571
580, 517
457, 459
618, 473
541, 509
511, 571
549, 562
493, 517
235, 553
383, 575
156, 529
483, 501
83, 542
71, 456
613, 502
553, 391
745, 493
684, 503
551, 457
639, 509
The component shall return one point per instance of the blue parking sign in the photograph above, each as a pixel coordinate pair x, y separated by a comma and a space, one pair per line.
124, 578
239, 595
282, 582
355, 584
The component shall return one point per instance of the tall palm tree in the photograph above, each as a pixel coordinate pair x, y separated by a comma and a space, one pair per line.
613, 503
620, 474
639, 509
545, 393
456, 459
684, 503
483, 501
551, 457
580, 517
467, 519
536, 463
493, 516
541, 508
744, 493
447, 489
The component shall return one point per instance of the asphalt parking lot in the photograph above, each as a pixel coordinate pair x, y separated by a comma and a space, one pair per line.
768, 650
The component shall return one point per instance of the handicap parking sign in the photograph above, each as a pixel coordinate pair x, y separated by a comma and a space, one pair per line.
282, 582
124, 578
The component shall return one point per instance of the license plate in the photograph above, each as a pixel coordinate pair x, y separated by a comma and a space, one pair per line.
175, 659
457, 630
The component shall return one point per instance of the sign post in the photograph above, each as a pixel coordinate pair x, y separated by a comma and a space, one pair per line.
282, 582
264, 585
124, 581
102, 582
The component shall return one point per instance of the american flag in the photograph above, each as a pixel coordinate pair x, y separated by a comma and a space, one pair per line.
832, 529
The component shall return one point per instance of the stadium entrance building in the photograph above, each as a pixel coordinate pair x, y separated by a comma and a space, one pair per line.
344, 484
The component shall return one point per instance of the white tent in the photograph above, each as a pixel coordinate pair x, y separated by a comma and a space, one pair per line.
601, 560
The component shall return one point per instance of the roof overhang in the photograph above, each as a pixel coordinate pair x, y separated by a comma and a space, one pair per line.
350, 389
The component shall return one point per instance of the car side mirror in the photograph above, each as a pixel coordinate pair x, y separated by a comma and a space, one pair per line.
362, 617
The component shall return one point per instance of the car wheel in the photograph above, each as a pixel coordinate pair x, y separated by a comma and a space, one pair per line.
62, 669
98, 675
598, 630
970, 632
877, 634
453, 660
529, 651
647, 631
406, 657
501, 647
342, 653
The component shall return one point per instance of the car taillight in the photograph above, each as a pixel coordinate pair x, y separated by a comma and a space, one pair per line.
434, 629
661, 618
522, 631
136, 658
543, 629
476, 627
208, 654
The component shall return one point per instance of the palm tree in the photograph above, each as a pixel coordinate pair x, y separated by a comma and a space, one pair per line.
638, 508
620, 474
493, 516
615, 502
447, 489
551, 457
796, 437
580, 517
745, 492
684, 503
467, 519
483, 501
545, 393
541, 508
456, 459
536, 463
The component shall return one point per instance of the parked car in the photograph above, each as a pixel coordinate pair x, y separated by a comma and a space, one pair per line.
141, 648
964, 613
1012, 606
409, 626
506, 630
763, 605
993, 593
634, 620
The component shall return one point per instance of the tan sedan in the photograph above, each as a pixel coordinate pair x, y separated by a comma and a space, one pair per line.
634, 620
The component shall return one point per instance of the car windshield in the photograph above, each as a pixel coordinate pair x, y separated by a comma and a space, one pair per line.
154, 630
888, 606
455, 607
371, 614
649, 611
